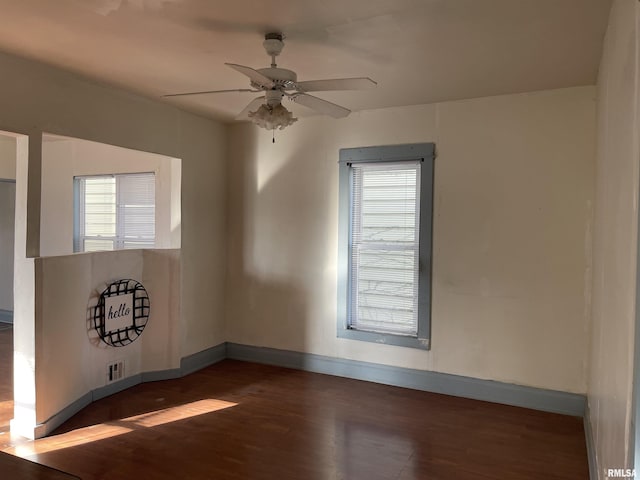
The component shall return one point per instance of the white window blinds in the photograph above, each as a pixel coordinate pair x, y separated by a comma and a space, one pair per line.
137, 210
384, 249
115, 212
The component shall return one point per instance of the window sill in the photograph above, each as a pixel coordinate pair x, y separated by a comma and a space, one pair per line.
385, 338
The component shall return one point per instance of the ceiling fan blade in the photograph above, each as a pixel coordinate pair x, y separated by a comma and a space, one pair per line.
254, 75
253, 105
209, 91
320, 106
360, 83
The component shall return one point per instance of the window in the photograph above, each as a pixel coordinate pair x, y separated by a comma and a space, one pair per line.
385, 244
114, 212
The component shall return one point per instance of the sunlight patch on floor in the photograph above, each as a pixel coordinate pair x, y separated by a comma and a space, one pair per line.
114, 428
70, 439
174, 414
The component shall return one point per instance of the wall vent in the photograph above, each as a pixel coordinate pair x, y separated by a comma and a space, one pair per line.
115, 371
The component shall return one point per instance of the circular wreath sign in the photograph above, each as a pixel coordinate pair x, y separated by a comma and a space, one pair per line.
122, 312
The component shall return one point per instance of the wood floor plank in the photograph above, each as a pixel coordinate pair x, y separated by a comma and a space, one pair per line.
238, 420
16, 468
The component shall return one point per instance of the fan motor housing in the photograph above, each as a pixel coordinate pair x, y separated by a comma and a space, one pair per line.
281, 76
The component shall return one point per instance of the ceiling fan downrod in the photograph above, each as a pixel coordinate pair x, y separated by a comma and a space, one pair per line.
273, 45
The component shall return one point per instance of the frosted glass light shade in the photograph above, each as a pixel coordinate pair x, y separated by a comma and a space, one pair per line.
272, 117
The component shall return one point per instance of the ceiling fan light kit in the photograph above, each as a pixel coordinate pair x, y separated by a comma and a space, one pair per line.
277, 83
272, 117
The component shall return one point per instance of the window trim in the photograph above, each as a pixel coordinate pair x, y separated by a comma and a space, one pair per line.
424, 152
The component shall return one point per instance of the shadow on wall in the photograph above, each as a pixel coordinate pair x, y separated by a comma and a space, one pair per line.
279, 242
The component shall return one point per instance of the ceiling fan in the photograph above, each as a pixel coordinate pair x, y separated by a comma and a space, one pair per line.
276, 83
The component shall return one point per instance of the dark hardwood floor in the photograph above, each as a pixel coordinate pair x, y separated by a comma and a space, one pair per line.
238, 420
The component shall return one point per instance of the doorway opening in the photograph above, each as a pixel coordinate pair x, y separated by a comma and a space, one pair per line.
7, 234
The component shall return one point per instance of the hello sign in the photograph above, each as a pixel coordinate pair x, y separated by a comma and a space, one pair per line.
122, 312
118, 312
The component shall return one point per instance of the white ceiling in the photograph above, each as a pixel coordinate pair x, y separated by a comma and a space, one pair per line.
419, 51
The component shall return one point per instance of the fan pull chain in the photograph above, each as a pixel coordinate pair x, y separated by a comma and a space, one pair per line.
273, 139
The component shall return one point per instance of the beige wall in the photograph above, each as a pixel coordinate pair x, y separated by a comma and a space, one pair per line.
68, 286
7, 158
615, 241
36, 99
7, 233
7, 220
62, 159
513, 198
24, 344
